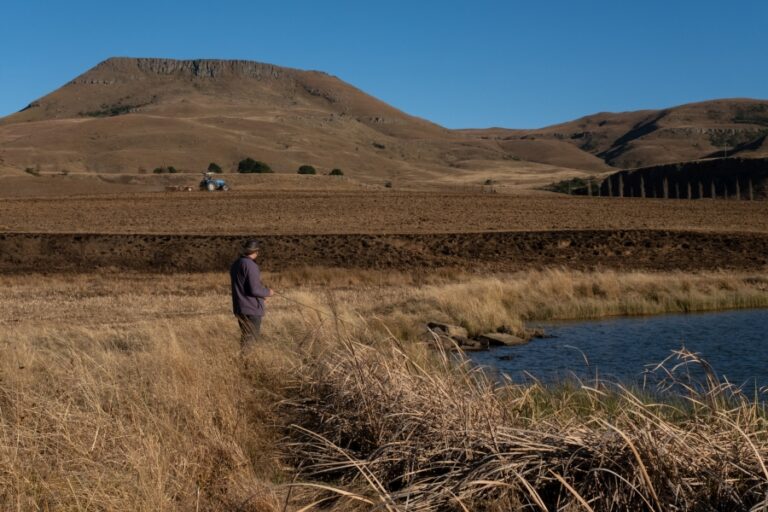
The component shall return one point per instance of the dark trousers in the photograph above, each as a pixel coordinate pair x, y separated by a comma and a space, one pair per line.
250, 327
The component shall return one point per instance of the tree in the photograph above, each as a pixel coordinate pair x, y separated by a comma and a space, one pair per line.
214, 167
307, 169
162, 170
336, 172
249, 165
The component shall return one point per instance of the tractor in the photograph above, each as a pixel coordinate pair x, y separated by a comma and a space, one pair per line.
210, 183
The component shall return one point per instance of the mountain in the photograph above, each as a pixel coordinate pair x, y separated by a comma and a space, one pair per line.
129, 115
652, 137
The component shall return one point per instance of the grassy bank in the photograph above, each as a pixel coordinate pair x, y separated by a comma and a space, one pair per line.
127, 393
384, 431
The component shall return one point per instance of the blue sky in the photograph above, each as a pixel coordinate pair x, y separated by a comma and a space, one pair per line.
473, 63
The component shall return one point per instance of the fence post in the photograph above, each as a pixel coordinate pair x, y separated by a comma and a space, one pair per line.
665, 186
589, 188
677, 190
690, 192
621, 185
642, 186
701, 190
712, 191
751, 190
738, 189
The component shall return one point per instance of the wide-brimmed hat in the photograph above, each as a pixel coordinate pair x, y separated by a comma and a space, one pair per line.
250, 247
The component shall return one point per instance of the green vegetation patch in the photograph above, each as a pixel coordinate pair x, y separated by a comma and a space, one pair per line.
249, 165
307, 169
572, 186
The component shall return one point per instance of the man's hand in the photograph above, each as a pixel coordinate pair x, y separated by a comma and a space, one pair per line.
271, 292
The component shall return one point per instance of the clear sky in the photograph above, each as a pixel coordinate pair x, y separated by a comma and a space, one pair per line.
461, 64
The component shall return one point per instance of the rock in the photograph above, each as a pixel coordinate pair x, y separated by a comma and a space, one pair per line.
437, 338
536, 333
471, 345
448, 329
497, 339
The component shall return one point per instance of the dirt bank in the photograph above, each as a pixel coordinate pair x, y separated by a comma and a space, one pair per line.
628, 249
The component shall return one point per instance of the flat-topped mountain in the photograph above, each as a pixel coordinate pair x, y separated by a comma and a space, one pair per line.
129, 115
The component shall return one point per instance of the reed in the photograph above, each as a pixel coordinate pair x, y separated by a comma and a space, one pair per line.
380, 428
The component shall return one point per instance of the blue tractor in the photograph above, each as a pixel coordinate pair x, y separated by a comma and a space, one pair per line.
211, 184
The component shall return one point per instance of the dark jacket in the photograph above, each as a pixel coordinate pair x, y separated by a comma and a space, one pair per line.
247, 291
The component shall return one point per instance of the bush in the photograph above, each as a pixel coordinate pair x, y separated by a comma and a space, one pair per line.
336, 172
249, 165
214, 167
163, 170
307, 169
388, 184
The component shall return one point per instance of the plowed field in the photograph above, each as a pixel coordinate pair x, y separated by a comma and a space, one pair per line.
397, 230
281, 213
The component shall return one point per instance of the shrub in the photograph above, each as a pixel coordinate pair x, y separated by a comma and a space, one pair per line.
388, 184
163, 170
336, 172
34, 171
307, 169
249, 165
214, 167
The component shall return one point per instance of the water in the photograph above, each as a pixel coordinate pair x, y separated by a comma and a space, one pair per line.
734, 343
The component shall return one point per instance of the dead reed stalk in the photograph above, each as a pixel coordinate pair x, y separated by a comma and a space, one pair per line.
376, 423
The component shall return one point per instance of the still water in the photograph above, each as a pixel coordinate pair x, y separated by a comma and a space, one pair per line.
734, 343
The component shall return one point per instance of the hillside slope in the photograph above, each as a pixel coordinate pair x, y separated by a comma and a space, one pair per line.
129, 115
652, 137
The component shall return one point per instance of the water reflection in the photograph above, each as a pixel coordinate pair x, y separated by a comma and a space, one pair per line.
734, 343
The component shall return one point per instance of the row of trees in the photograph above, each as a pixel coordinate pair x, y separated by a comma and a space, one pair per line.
249, 165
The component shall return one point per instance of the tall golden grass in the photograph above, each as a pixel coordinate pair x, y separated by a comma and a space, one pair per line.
127, 392
381, 429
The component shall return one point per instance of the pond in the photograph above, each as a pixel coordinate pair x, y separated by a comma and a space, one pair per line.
734, 343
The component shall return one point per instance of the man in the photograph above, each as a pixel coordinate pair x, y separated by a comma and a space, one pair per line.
248, 294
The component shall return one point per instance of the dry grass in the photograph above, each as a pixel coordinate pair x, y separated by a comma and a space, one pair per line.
151, 417
385, 431
127, 392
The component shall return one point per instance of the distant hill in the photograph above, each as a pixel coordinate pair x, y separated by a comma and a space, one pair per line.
652, 137
129, 115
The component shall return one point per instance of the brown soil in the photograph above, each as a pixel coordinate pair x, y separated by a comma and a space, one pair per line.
629, 250
340, 212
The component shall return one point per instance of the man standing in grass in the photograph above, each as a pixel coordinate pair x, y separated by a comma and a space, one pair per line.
248, 294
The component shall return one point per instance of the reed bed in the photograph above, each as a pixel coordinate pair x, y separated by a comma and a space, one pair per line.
383, 431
